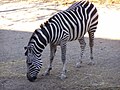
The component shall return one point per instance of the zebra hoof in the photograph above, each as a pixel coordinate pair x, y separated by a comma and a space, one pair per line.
78, 65
91, 63
46, 74
31, 79
63, 77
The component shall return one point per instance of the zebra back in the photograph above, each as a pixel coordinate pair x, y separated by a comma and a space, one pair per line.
72, 24
90, 12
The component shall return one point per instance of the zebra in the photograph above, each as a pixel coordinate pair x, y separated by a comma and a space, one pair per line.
68, 25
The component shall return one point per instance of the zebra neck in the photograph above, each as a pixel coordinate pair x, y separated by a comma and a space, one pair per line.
39, 40
48, 30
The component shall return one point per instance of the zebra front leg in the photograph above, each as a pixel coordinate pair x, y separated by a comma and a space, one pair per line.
63, 57
52, 54
82, 45
91, 44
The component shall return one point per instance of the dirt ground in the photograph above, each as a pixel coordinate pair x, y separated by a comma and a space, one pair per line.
17, 22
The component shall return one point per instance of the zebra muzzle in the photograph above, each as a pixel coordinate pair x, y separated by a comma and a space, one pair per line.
31, 79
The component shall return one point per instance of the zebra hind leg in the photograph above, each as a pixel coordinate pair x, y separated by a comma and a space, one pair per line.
53, 49
82, 45
91, 44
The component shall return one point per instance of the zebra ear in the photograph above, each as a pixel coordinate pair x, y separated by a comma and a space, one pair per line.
26, 51
41, 26
25, 47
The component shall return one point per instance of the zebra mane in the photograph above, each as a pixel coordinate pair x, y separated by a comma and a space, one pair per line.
42, 25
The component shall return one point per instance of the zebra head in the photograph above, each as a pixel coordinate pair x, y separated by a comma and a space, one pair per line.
33, 63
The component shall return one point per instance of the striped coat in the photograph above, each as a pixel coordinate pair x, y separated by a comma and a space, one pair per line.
68, 25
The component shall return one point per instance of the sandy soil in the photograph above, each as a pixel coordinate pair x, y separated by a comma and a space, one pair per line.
20, 19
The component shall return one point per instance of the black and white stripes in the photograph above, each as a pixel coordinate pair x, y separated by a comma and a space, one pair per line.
68, 25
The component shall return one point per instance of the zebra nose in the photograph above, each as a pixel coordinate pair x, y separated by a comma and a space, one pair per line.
31, 79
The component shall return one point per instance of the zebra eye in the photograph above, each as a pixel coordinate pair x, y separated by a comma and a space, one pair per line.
29, 63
